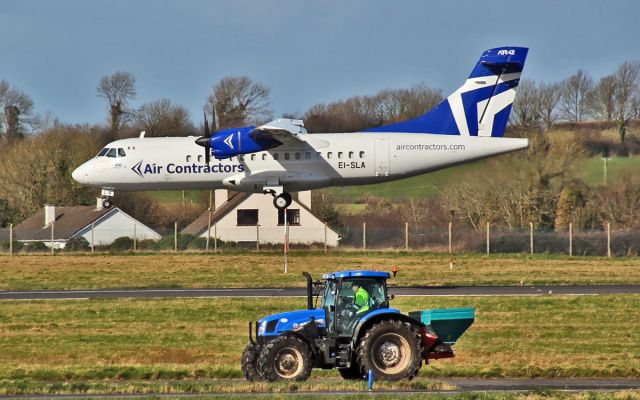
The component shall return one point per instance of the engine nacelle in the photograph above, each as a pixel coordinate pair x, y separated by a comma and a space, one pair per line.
235, 141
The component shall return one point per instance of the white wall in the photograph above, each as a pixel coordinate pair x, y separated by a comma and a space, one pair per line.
310, 230
115, 225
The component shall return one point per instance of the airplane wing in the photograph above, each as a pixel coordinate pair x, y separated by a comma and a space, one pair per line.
284, 130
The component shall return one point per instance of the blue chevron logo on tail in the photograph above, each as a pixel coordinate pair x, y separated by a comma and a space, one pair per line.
481, 106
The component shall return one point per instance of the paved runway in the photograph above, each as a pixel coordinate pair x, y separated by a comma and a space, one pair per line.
296, 292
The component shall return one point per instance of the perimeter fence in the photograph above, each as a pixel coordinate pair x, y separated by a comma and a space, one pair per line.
392, 237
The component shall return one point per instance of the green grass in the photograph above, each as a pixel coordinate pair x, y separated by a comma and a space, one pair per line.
593, 169
152, 343
184, 270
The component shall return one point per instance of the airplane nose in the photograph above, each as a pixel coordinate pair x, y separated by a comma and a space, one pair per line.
79, 174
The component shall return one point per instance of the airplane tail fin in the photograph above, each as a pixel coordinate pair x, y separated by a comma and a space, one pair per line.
481, 106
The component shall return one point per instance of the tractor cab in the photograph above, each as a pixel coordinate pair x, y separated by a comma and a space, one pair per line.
350, 296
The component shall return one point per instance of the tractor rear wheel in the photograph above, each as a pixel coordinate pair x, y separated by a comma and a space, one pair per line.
285, 358
249, 363
392, 349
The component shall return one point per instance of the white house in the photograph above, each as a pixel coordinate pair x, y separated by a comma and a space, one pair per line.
98, 225
249, 217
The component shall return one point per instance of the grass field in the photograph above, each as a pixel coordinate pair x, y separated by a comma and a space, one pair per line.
177, 344
170, 270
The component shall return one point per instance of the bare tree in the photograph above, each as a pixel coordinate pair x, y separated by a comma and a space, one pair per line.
161, 118
575, 96
16, 111
117, 88
604, 98
549, 95
627, 81
526, 106
238, 100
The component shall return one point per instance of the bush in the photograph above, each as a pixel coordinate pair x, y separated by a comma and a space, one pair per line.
123, 243
35, 247
167, 242
77, 244
17, 246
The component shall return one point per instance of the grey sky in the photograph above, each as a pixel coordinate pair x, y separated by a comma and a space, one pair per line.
307, 52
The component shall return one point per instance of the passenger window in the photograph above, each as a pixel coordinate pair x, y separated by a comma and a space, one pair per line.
264, 156
188, 158
339, 154
307, 155
199, 159
275, 156
286, 156
362, 154
121, 153
297, 156
112, 153
253, 157
351, 154
329, 155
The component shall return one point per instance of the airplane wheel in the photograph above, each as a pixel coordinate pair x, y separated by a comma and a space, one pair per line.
282, 201
106, 203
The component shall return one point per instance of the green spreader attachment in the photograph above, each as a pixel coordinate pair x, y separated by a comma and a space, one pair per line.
448, 323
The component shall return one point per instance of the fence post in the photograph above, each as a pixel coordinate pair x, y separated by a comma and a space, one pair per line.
175, 237
406, 236
450, 234
135, 236
215, 238
209, 222
52, 231
608, 239
325, 238
570, 239
93, 225
285, 247
488, 248
257, 237
10, 239
364, 236
531, 237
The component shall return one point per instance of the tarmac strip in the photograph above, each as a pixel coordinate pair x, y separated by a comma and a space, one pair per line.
540, 290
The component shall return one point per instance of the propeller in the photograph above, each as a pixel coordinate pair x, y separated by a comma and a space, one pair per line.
204, 141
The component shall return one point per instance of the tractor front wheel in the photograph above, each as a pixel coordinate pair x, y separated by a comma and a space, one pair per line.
285, 358
249, 363
391, 349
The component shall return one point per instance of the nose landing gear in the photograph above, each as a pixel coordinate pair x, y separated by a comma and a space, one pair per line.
106, 195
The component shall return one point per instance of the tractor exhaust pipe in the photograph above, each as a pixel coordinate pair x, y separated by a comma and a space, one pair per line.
309, 290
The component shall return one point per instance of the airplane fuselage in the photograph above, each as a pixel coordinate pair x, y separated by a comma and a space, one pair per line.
318, 160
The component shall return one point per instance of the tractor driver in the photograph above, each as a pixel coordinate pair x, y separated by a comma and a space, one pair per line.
361, 298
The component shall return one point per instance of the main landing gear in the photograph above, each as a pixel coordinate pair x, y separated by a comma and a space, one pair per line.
281, 199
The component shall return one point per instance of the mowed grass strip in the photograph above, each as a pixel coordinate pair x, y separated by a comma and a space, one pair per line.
169, 339
265, 270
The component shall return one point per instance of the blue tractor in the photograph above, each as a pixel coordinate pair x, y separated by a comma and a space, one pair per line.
354, 330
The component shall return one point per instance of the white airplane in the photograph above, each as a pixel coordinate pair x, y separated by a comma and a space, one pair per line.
281, 157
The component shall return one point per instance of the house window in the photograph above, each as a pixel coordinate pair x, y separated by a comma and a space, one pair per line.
248, 217
286, 156
275, 156
307, 155
297, 156
293, 216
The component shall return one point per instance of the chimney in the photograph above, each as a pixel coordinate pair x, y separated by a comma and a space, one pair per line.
304, 198
220, 196
49, 214
98, 203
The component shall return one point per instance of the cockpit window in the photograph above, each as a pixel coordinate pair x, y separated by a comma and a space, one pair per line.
102, 152
112, 153
121, 153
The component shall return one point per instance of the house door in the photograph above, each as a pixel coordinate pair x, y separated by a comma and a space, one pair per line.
381, 157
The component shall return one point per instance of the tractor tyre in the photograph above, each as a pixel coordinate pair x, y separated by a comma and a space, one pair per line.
285, 358
352, 373
249, 363
392, 349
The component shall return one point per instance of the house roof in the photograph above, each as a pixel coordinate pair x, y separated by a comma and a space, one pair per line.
200, 224
4, 235
69, 220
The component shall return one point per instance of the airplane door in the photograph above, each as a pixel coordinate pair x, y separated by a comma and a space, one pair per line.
381, 157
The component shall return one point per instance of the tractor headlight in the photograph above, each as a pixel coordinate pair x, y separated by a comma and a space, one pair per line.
262, 328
